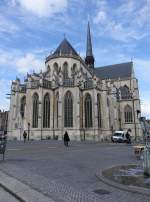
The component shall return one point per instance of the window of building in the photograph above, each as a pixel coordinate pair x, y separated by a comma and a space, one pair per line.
56, 68
57, 109
125, 92
65, 70
128, 114
46, 111
68, 110
74, 69
88, 84
99, 111
35, 111
22, 106
88, 111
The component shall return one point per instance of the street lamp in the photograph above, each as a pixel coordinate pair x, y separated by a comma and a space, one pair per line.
28, 131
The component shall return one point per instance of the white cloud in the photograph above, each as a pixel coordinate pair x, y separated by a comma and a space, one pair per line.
15, 60
28, 63
142, 69
42, 8
100, 17
145, 103
142, 72
7, 26
5, 89
12, 62
124, 22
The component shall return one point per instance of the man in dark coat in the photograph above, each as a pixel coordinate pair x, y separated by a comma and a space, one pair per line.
128, 138
66, 139
24, 136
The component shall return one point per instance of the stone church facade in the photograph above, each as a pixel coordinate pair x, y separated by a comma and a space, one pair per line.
74, 95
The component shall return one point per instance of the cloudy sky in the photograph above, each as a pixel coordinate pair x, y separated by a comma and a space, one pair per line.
30, 30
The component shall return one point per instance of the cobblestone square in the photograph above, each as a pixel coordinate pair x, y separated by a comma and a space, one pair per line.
68, 174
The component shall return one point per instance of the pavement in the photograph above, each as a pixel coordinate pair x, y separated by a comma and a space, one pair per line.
15, 190
6, 197
48, 169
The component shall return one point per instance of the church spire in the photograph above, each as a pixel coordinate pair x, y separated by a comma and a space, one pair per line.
89, 60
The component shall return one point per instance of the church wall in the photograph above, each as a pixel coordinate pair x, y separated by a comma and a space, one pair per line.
70, 61
132, 83
74, 132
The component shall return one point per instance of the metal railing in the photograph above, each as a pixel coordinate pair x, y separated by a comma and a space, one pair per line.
46, 84
68, 82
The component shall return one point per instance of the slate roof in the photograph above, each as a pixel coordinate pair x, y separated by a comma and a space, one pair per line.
65, 48
122, 70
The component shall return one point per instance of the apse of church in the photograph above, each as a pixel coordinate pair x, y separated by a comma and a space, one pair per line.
72, 94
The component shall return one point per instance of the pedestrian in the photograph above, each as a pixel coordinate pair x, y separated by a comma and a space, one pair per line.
66, 139
24, 136
128, 137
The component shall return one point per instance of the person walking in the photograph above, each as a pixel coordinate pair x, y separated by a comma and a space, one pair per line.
66, 139
128, 137
24, 136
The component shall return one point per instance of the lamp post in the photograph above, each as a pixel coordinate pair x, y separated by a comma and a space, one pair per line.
28, 131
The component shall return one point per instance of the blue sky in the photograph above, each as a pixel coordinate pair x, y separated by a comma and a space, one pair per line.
30, 30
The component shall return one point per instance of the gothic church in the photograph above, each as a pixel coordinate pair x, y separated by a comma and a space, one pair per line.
72, 94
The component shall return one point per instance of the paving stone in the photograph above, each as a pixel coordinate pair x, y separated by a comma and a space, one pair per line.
69, 174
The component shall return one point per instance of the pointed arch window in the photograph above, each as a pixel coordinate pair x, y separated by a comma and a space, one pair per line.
57, 109
68, 110
99, 118
46, 111
22, 106
65, 70
35, 111
125, 92
56, 68
128, 114
74, 69
88, 111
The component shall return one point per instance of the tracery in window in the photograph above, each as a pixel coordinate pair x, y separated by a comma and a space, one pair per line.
46, 111
35, 110
65, 70
88, 111
57, 109
128, 114
125, 92
68, 110
56, 68
22, 106
99, 118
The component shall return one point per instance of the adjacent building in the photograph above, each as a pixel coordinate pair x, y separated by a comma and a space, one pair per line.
3, 121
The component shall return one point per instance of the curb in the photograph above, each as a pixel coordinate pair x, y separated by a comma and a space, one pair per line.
129, 188
11, 192
21, 191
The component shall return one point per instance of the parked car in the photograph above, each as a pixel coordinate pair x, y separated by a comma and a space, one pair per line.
119, 136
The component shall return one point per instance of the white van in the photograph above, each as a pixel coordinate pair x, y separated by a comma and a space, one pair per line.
118, 136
